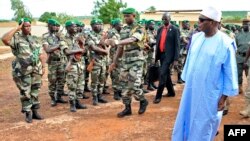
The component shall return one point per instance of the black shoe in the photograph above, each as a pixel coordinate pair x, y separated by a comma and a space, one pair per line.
79, 105
143, 106
53, 102
154, 86
105, 92
145, 91
169, 95
101, 99
217, 133
225, 112
36, 115
87, 89
72, 106
126, 112
150, 88
157, 100
84, 96
60, 100
95, 100
28, 117
117, 96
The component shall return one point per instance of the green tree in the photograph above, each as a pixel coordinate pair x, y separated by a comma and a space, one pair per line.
63, 17
151, 9
47, 15
20, 10
108, 9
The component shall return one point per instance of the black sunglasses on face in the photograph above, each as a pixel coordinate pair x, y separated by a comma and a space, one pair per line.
204, 19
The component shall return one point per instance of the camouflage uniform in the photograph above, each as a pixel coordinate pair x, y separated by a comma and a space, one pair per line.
98, 77
113, 34
183, 52
75, 78
56, 65
242, 41
27, 69
132, 64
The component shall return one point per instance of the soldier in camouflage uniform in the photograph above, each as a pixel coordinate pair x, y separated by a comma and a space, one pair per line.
131, 47
28, 67
75, 77
114, 33
98, 53
56, 62
151, 41
242, 41
246, 111
185, 31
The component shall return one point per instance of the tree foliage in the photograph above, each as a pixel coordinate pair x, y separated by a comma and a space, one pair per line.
151, 9
108, 9
61, 17
20, 10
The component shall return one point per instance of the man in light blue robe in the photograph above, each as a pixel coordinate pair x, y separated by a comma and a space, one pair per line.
210, 76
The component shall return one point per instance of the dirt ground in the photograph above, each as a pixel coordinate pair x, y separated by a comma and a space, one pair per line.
95, 123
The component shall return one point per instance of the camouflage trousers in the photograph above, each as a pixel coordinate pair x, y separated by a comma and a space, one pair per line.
240, 72
130, 79
98, 78
115, 79
75, 81
144, 68
181, 63
247, 95
56, 77
29, 86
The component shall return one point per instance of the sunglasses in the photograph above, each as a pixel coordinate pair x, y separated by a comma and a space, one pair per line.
204, 19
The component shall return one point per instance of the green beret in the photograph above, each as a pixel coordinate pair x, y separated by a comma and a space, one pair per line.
159, 23
96, 21
57, 23
129, 11
53, 22
185, 21
150, 22
195, 25
24, 20
116, 21
79, 23
69, 23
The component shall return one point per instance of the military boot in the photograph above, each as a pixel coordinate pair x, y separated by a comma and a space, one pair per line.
86, 88
95, 100
126, 112
143, 106
144, 91
84, 96
150, 87
72, 106
28, 116
116, 95
36, 115
53, 102
101, 99
60, 99
180, 81
79, 105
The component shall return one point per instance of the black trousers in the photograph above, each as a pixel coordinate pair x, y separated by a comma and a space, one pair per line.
165, 79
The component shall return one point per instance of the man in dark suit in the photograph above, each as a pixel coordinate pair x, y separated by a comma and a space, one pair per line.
167, 51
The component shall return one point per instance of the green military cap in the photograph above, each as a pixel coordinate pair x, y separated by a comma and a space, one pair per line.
57, 23
112, 22
195, 25
158, 23
129, 11
185, 21
69, 23
79, 23
24, 20
116, 21
96, 21
150, 22
53, 22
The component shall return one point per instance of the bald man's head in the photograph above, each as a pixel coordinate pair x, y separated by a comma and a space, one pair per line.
166, 18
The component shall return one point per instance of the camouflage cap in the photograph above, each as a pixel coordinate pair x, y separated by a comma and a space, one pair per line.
129, 11
69, 23
24, 20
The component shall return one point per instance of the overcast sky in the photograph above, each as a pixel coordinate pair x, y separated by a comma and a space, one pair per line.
84, 7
